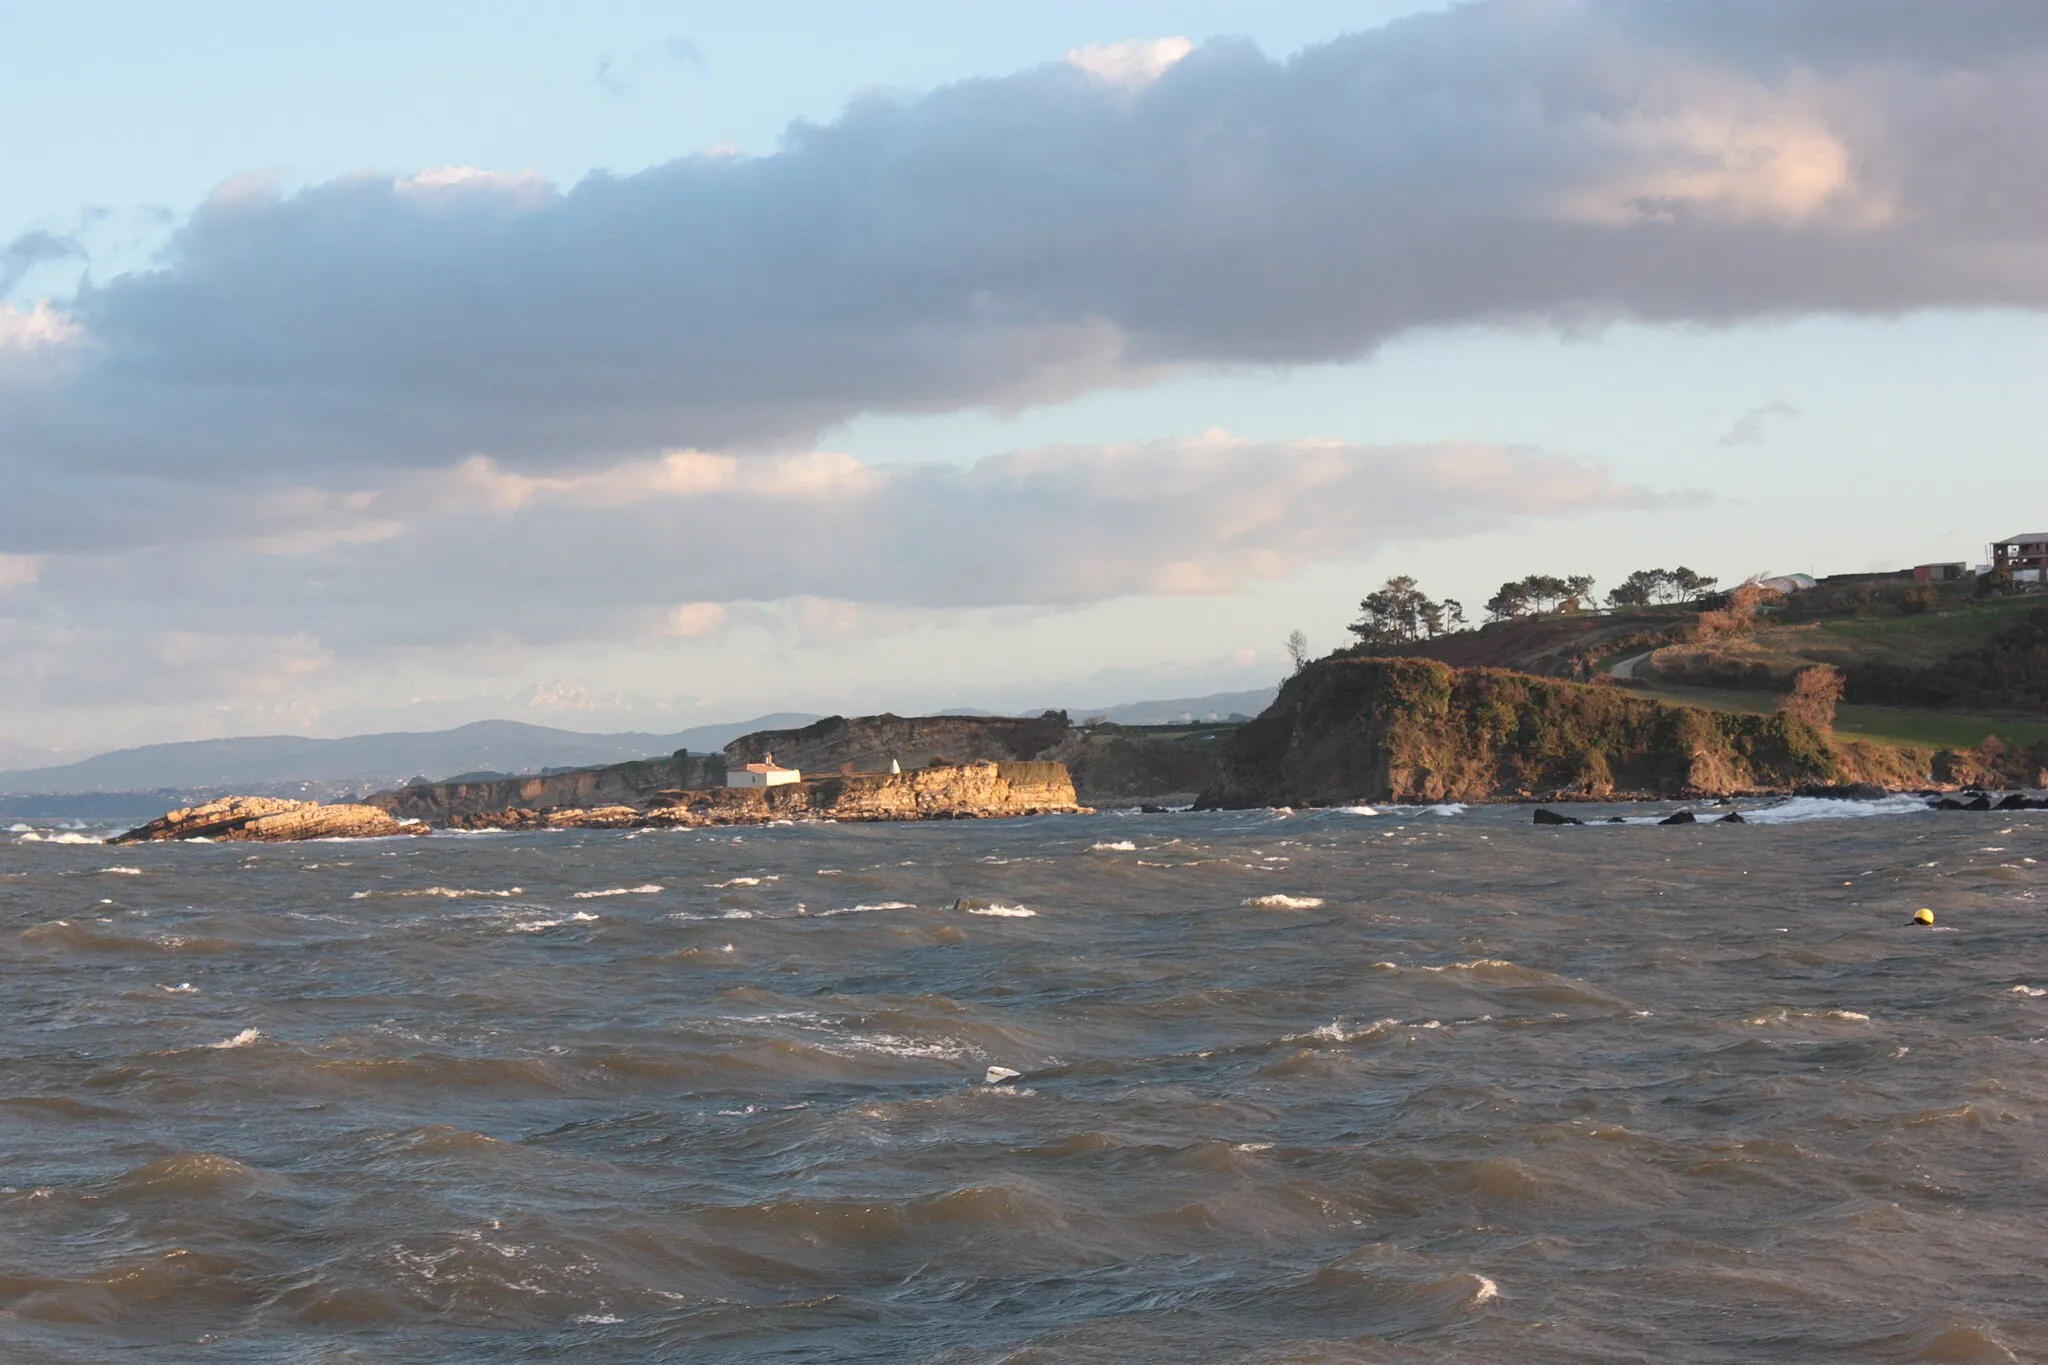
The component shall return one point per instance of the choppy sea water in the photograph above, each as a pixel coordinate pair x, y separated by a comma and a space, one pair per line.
1318, 1086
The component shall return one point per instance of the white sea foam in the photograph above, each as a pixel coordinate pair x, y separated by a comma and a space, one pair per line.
1337, 1031
581, 917
1800, 809
444, 892
242, 1039
741, 881
1113, 846
123, 871
66, 837
864, 908
2034, 992
182, 988
1002, 911
1280, 902
1358, 810
19, 828
1485, 1290
648, 889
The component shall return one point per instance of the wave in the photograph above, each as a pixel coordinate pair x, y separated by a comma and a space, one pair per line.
443, 892
865, 908
242, 1039
1277, 901
67, 837
1802, 809
1113, 846
122, 871
645, 889
996, 909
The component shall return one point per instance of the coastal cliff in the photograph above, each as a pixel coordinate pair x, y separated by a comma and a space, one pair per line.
1416, 730
1103, 766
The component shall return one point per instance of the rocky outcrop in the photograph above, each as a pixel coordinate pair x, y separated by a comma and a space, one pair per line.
627, 784
1107, 765
1418, 730
267, 819
965, 791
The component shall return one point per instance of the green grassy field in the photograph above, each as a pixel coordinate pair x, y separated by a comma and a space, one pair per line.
1893, 725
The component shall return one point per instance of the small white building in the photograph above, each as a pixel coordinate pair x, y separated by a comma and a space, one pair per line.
766, 773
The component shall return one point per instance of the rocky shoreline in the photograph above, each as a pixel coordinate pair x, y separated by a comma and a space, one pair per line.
964, 791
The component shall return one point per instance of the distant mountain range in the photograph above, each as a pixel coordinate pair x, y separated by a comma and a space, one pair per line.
367, 761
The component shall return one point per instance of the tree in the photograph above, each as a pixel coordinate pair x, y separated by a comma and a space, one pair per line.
1511, 601
1689, 586
1646, 587
1578, 587
1297, 650
1400, 613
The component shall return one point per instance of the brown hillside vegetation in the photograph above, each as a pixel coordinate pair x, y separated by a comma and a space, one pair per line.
1420, 730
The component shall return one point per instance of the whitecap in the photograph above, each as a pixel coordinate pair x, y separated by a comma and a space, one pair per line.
1113, 846
182, 988
1002, 911
581, 917
19, 828
1801, 809
647, 889
1280, 902
1485, 1290
738, 881
2033, 992
444, 892
242, 1039
1358, 810
123, 871
865, 908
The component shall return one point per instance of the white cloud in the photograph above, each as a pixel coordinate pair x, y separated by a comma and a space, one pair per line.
18, 571
31, 328
1135, 63
695, 618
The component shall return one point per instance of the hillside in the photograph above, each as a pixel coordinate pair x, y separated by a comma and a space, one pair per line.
1922, 666
1109, 764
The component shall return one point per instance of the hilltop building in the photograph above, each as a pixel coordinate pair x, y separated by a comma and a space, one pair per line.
1940, 573
766, 773
2026, 555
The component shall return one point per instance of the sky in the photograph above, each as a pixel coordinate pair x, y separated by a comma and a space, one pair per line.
388, 367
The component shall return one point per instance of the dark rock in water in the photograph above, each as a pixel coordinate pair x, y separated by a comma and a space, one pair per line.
1981, 803
1551, 817
2016, 801
1733, 817
1947, 803
1617, 819
1844, 791
1152, 810
1684, 817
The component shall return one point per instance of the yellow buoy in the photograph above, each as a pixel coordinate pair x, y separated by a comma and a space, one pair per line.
1923, 916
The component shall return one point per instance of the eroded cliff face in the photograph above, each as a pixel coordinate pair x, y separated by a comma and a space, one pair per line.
1422, 731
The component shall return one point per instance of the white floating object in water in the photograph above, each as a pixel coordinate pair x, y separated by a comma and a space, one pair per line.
1000, 1075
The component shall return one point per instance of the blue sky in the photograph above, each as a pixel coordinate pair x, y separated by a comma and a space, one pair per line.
928, 402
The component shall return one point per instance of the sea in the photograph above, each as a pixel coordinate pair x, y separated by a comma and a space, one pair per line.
1347, 1085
